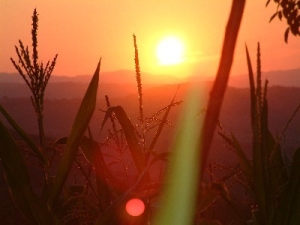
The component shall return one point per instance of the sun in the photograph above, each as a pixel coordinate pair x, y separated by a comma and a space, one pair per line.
170, 51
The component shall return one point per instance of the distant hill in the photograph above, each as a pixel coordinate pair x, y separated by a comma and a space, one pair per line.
119, 77
113, 84
286, 78
235, 114
122, 82
276, 78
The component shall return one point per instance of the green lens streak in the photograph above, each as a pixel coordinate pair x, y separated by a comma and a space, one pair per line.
178, 200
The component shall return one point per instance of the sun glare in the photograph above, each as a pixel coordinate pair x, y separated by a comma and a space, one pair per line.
170, 51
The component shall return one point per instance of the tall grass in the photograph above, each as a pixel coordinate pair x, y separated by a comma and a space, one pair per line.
40, 208
35, 74
272, 182
185, 194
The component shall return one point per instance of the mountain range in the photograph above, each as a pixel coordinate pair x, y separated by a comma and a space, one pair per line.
63, 96
276, 78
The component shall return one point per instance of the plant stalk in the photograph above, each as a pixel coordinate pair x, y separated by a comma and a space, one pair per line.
220, 84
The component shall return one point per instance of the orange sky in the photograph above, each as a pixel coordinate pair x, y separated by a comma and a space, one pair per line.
82, 31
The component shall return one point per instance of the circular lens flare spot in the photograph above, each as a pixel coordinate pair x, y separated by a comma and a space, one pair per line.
135, 207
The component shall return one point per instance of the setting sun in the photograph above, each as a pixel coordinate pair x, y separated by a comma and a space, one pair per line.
170, 51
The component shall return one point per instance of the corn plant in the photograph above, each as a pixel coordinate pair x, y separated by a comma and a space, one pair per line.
202, 143
110, 193
41, 208
35, 74
273, 187
192, 194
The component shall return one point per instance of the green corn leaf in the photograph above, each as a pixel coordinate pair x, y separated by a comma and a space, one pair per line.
89, 148
291, 206
260, 140
137, 155
92, 153
163, 156
115, 212
252, 90
209, 193
161, 125
243, 161
17, 178
179, 197
23, 135
262, 164
78, 129
278, 171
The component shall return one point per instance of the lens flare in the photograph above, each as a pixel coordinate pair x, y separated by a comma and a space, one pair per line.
135, 207
170, 51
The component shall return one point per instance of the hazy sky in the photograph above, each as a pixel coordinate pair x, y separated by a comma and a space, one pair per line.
82, 31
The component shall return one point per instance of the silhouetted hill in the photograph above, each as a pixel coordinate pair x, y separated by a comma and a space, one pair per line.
287, 78
280, 78
113, 84
114, 77
63, 96
235, 114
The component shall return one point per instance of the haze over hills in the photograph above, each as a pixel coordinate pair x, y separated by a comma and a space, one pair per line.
119, 77
286, 78
63, 100
276, 78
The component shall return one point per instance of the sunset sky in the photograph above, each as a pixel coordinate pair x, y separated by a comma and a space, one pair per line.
82, 31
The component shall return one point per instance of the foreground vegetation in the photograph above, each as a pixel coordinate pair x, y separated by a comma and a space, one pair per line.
99, 197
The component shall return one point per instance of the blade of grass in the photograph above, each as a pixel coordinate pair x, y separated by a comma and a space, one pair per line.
259, 127
291, 206
17, 177
132, 140
220, 84
23, 135
244, 162
252, 91
79, 127
138, 79
114, 212
93, 154
162, 123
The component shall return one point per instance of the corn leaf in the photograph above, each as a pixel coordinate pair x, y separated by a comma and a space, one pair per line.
161, 125
17, 178
278, 172
243, 161
291, 206
92, 153
23, 135
252, 90
115, 212
219, 87
260, 140
209, 193
137, 155
78, 129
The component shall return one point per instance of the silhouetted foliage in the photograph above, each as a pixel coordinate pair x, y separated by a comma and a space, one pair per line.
35, 74
289, 9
